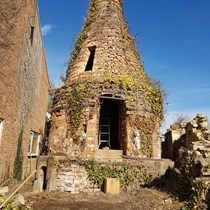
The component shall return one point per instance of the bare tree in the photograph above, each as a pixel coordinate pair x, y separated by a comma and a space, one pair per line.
182, 118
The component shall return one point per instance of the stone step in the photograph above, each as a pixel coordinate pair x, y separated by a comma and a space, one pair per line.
108, 155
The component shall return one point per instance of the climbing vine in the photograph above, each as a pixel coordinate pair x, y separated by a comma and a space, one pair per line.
138, 88
75, 96
92, 13
134, 86
17, 173
192, 189
145, 126
127, 174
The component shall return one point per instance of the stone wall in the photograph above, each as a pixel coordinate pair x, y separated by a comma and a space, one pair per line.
190, 149
116, 79
74, 178
189, 144
71, 176
58, 173
23, 82
197, 131
172, 137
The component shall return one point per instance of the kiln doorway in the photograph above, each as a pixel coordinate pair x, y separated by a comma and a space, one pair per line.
111, 129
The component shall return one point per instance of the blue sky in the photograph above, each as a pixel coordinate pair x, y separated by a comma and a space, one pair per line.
174, 43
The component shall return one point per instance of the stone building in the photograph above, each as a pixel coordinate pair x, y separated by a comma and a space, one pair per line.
24, 88
107, 101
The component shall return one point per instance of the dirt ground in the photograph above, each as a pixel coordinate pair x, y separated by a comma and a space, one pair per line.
141, 199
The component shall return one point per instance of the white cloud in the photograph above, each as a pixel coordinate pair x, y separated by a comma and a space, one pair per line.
46, 29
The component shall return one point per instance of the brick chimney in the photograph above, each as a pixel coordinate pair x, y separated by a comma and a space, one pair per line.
108, 101
106, 43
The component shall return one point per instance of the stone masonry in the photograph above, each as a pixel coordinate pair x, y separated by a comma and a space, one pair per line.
191, 146
108, 109
108, 101
58, 173
24, 83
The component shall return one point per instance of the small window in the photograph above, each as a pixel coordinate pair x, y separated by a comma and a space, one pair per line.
84, 130
32, 34
89, 66
1, 129
33, 148
32, 29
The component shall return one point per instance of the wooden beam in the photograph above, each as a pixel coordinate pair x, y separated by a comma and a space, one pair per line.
2, 205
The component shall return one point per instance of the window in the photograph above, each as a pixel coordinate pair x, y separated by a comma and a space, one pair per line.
89, 65
1, 129
84, 130
33, 148
32, 29
32, 34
